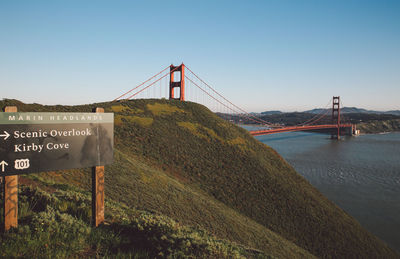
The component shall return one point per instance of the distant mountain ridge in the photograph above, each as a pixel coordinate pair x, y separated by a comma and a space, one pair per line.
356, 110
343, 110
271, 112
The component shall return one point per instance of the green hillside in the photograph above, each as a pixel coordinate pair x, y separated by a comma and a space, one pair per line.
54, 222
179, 160
379, 126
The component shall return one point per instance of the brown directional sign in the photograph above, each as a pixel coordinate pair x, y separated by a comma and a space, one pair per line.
36, 142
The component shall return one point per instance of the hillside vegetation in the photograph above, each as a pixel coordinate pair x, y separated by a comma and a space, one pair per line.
55, 223
379, 126
179, 160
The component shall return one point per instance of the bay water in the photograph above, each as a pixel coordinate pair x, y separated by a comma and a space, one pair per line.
360, 174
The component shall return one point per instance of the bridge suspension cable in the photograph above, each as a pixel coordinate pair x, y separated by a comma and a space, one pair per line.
119, 97
248, 115
319, 115
326, 111
151, 84
342, 116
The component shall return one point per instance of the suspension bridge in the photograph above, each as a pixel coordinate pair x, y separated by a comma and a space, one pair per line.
181, 83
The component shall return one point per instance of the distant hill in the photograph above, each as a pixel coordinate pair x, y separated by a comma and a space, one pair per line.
394, 112
355, 110
343, 110
379, 126
271, 112
182, 162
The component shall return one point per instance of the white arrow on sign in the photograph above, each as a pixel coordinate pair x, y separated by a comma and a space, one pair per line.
5, 135
3, 164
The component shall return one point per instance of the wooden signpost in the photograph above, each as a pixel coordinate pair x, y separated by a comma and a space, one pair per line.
39, 142
98, 190
10, 193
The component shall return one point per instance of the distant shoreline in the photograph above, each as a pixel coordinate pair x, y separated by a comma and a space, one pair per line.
379, 127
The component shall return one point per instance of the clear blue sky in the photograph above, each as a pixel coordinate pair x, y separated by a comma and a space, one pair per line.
262, 55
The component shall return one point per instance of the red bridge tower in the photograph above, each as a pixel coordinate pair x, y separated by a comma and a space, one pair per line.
336, 116
177, 84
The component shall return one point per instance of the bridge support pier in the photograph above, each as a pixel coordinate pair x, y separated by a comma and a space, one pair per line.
178, 83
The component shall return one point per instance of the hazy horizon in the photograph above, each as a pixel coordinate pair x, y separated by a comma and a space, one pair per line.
266, 110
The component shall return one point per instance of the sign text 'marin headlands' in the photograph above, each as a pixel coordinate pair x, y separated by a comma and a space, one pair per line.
47, 117
55, 118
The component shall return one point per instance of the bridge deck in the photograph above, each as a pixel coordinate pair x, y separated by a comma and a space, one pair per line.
297, 128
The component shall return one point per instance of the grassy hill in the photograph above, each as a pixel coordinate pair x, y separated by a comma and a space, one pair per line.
379, 126
179, 160
55, 223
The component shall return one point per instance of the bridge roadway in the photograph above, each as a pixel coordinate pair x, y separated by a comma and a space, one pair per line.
346, 127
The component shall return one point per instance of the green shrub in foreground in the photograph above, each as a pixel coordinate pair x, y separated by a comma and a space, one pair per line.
57, 225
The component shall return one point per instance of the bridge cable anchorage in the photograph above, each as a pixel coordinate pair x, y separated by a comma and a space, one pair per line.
237, 107
223, 104
323, 112
131, 96
119, 97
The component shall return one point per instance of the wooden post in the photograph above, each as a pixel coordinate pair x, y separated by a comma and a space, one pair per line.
98, 190
10, 194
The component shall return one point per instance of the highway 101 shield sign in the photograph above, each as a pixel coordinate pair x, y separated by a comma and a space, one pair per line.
38, 142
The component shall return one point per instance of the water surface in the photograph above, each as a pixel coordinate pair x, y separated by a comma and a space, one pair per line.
360, 174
